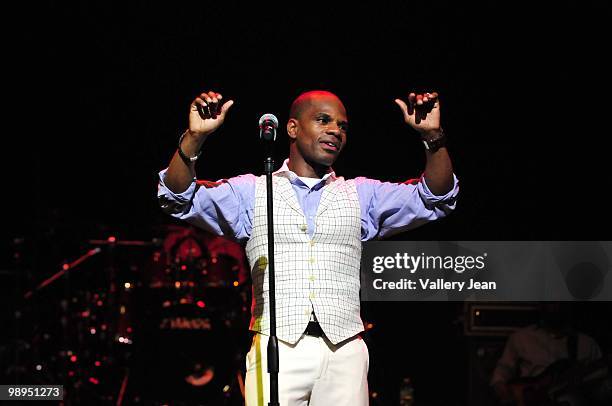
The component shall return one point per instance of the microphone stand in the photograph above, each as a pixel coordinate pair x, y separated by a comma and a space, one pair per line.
268, 124
273, 341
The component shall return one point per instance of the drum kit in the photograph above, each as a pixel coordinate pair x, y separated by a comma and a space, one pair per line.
155, 322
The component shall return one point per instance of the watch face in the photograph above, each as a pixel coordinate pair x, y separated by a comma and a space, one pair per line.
434, 145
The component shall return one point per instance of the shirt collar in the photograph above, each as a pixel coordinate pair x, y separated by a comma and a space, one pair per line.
284, 171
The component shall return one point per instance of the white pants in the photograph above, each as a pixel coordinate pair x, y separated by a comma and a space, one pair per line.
311, 372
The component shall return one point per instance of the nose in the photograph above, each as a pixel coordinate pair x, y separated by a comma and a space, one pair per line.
336, 134
333, 129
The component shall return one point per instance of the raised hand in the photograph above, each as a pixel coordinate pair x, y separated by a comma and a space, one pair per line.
422, 112
207, 113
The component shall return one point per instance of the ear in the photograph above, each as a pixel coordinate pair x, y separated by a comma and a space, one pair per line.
292, 128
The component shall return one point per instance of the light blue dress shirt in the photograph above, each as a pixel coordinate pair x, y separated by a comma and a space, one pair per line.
227, 208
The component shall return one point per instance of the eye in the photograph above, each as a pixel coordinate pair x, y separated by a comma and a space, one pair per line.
323, 120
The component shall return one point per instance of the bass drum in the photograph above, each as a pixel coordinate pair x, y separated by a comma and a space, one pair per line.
193, 322
190, 354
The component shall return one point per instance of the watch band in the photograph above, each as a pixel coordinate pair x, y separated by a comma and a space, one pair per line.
434, 144
187, 159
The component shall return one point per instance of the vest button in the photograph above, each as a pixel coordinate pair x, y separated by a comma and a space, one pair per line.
304, 227
312, 260
312, 295
312, 278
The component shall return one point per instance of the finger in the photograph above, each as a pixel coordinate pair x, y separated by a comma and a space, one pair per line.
418, 115
411, 102
403, 107
435, 100
411, 99
203, 111
202, 107
419, 99
219, 103
204, 96
432, 97
225, 108
214, 104
213, 97
208, 100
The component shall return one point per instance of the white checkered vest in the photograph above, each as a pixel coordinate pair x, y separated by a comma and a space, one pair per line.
321, 273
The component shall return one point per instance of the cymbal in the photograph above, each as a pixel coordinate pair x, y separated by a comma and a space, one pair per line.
136, 243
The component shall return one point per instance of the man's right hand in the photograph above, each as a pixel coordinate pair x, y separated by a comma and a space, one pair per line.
206, 114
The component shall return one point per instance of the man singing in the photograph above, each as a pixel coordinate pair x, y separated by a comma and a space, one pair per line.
320, 221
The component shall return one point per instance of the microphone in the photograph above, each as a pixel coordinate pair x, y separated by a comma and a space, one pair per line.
268, 123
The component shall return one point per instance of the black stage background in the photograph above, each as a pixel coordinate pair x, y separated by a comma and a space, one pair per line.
523, 102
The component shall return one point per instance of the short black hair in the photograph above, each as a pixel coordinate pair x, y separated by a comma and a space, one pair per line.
302, 101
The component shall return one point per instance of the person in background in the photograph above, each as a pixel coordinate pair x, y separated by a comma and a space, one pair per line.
536, 357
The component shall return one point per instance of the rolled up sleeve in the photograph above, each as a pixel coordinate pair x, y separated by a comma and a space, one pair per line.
446, 203
174, 204
224, 208
390, 208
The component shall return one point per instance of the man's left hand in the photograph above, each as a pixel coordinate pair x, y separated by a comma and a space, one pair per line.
422, 112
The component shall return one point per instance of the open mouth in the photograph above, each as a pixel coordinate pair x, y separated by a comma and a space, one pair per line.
329, 146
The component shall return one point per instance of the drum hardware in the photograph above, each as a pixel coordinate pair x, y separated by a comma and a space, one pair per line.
66, 267
197, 303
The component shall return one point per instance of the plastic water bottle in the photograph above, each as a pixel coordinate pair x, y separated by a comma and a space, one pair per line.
406, 392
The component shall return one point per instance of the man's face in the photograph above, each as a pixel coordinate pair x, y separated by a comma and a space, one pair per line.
320, 130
